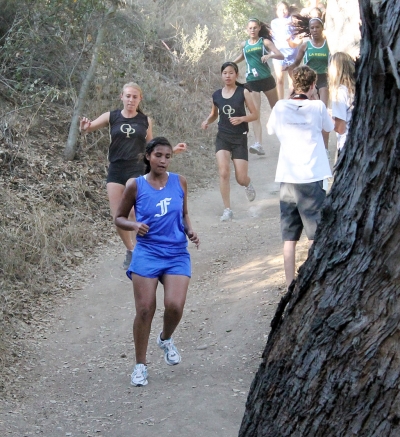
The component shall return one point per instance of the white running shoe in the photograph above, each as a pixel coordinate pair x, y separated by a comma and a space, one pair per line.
227, 215
139, 376
250, 192
257, 149
171, 354
127, 260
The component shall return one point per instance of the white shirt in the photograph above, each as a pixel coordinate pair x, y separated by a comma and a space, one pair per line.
298, 125
280, 33
342, 107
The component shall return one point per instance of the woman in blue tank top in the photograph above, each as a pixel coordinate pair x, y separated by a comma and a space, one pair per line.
130, 129
162, 225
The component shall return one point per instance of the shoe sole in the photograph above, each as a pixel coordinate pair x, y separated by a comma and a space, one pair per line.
256, 152
172, 364
139, 385
165, 356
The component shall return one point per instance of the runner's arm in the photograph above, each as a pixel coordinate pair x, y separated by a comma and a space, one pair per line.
273, 52
122, 214
252, 109
87, 126
240, 58
186, 220
297, 62
211, 118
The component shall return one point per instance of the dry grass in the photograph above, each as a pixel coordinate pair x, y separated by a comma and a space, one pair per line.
55, 213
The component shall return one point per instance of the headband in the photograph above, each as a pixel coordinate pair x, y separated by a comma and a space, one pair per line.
316, 18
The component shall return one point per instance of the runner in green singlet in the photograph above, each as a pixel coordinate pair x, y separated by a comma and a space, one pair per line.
256, 51
314, 53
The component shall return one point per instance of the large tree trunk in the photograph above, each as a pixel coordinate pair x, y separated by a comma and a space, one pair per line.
70, 147
342, 26
331, 366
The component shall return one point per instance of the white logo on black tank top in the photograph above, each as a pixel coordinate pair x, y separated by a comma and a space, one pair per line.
127, 129
164, 206
228, 110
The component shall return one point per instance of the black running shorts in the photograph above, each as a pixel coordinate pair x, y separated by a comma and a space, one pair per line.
120, 171
236, 144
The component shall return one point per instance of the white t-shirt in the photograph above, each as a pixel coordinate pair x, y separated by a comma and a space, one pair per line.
280, 33
342, 107
298, 125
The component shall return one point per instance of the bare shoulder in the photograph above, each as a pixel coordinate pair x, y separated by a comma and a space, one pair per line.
131, 185
182, 179
183, 182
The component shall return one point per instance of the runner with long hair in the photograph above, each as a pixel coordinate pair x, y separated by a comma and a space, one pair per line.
284, 42
229, 106
256, 51
314, 53
341, 75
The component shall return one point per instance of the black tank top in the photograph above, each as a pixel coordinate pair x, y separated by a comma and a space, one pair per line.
232, 107
128, 136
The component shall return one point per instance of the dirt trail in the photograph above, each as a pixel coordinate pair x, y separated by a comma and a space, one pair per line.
79, 386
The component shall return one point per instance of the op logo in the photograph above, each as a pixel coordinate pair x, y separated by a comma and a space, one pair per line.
127, 129
164, 206
228, 110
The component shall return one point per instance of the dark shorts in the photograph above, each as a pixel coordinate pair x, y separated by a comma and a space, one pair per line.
258, 86
236, 144
120, 171
300, 208
322, 80
150, 264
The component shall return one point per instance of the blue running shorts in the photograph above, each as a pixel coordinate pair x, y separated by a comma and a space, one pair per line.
157, 263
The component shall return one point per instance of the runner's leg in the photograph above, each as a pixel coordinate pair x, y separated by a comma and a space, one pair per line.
241, 170
175, 290
144, 290
224, 162
114, 192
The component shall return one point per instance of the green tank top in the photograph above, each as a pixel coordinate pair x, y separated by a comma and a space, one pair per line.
317, 57
255, 68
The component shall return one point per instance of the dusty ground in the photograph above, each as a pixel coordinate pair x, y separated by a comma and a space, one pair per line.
78, 382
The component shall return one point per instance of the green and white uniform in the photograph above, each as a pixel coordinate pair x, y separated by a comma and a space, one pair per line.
255, 68
317, 57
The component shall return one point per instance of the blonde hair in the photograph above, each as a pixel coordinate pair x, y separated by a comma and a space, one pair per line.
137, 87
341, 71
132, 85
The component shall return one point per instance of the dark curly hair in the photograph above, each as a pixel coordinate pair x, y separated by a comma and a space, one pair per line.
303, 78
151, 145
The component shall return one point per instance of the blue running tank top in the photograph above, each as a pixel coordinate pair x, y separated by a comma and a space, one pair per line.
162, 211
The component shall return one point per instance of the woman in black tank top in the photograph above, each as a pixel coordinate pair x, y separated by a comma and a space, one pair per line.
130, 130
229, 107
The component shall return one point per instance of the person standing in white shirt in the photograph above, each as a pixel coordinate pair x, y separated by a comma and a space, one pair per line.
302, 164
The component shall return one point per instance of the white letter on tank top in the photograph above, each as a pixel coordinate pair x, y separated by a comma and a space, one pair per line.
164, 206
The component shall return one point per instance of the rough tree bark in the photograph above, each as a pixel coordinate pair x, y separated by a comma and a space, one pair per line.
331, 366
342, 26
71, 145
